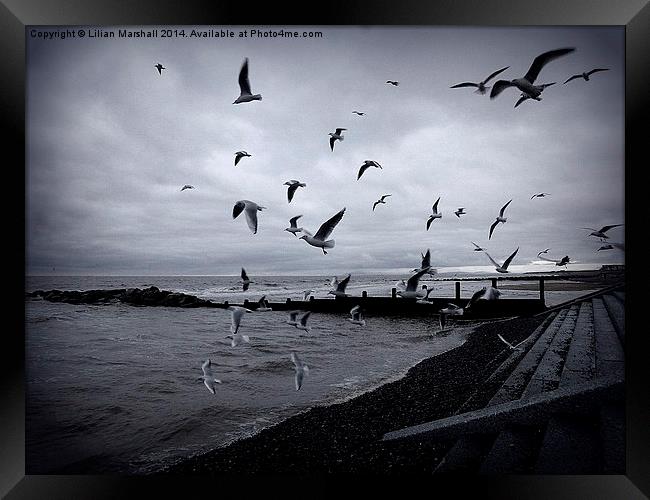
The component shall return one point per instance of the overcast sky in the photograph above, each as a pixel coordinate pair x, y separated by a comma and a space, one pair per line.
111, 142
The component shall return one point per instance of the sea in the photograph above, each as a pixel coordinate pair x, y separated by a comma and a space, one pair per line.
116, 388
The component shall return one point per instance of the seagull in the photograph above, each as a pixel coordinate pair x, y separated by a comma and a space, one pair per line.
480, 87
293, 228
244, 277
306, 294
381, 200
411, 291
513, 347
263, 305
339, 291
502, 268
160, 67
525, 84
459, 212
485, 293
301, 370
236, 314
293, 318
478, 248
600, 233
393, 82
238, 339
336, 136
586, 75
525, 96
367, 164
356, 317
187, 186
251, 209
500, 218
293, 186
208, 376
320, 238
426, 264
543, 251
239, 155
605, 247
303, 322
245, 86
558, 262
539, 195
435, 215
359, 113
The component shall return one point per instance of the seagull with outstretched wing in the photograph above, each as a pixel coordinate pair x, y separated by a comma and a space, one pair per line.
250, 209
585, 76
481, 87
320, 238
245, 86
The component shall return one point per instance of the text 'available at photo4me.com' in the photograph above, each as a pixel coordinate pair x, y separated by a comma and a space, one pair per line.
217, 33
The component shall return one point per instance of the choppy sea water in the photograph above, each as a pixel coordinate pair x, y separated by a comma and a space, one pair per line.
115, 388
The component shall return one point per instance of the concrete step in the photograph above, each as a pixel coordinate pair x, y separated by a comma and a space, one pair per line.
515, 384
612, 436
570, 446
466, 454
610, 357
548, 372
514, 451
616, 310
580, 363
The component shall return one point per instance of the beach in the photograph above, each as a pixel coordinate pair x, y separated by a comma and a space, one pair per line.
345, 437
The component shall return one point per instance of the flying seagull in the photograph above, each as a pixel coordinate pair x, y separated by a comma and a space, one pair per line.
293, 186
187, 186
543, 251
358, 113
239, 155
539, 195
238, 339
293, 228
558, 262
452, 310
367, 164
339, 291
411, 291
478, 248
525, 96
393, 82
208, 376
160, 67
263, 305
426, 264
485, 293
459, 212
600, 233
525, 84
250, 208
320, 238
513, 347
381, 200
245, 280
236, 314
586, 74
435, 215
502, 268
356, 317
245, 86
481, 88
334, 136
500, 218
303, 322
293, 318
301, 370
605, 247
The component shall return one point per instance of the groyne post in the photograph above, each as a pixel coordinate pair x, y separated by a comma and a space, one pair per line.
541, 291
393, 293
364, 294
458, 290
494, 282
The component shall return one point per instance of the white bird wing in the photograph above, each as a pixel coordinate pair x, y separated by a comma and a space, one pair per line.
251, 216
236, 314
426, 259
244, 84
412, 282
328, 226
354, 312
296, 360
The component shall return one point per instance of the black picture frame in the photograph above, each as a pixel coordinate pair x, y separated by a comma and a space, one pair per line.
15, 15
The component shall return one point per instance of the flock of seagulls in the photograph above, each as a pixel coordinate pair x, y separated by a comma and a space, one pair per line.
409, 289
